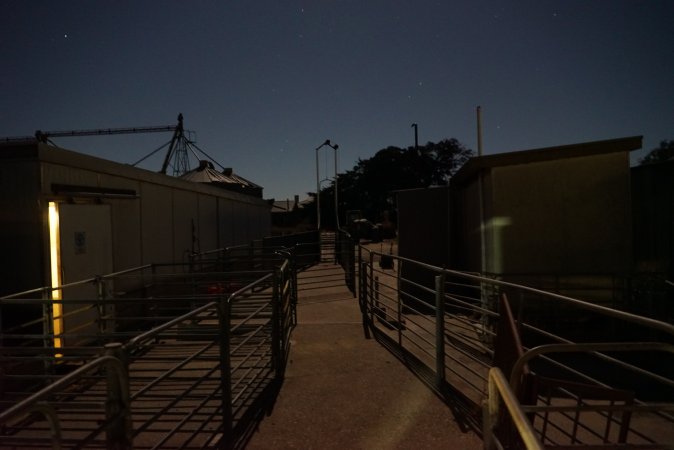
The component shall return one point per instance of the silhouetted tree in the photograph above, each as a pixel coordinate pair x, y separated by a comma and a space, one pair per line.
663, 153
369, 186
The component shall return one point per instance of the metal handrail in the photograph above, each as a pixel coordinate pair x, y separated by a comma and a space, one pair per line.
652, 323
240, 377
44, 289
154, 332
501, 392
594, 347
27, 403
453, 350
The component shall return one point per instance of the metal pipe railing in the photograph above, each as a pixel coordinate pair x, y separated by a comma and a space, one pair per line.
450, 330
248, 329
117, 404
500, 393
595, 348
609, 312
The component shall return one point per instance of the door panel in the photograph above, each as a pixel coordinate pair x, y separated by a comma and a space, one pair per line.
86, 251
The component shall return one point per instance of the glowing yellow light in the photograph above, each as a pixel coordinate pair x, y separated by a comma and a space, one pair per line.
55, 266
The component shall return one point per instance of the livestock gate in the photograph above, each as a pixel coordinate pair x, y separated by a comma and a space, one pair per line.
160, 356
525, 368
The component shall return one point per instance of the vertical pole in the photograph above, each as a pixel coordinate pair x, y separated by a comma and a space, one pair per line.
47, 324
362, 299
336, 202
376, 298
337, 246
276, 332
400, 305
479, 131
225, 371
352, 265
481, 200
318, 196
293, 277
359, 278
100, 289
118, 404
440, 329
371, 287
490, 413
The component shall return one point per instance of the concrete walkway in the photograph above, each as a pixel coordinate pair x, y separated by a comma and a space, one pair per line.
342, 391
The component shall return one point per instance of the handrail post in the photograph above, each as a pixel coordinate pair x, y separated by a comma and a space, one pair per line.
48, 323
440, 329
502, 405
362, 287
225, 371
118, 404
293, 279
375, 296
101, 294
370, 287
276, 334
359, 279
488, 420
352, 265
362, 298
399, 302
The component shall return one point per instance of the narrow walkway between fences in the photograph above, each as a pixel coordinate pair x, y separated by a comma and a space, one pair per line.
342, 391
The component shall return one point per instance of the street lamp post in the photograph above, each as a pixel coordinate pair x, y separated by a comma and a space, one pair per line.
318, 186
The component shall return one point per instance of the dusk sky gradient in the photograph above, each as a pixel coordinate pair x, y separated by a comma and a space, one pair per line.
263, 83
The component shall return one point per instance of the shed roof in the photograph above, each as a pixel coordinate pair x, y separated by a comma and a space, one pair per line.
206, 173
479, 163
46, 154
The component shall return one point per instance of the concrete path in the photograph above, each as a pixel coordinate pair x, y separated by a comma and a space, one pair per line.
342, 391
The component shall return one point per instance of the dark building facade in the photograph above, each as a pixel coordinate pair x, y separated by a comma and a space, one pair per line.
560, 214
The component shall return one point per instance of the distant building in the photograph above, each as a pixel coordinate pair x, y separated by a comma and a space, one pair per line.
291, 216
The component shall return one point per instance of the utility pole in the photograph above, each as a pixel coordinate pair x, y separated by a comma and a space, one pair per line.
479, 131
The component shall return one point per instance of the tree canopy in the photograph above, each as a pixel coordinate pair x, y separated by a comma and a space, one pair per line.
665, 152
369, 186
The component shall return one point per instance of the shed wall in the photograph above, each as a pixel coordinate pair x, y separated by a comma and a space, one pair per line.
22, 216
207, 224
562, 216
166, 219
156, 218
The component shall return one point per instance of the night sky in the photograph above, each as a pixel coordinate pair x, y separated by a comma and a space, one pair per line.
263, 83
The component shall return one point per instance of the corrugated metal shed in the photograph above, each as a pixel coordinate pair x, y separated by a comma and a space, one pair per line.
480, 163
